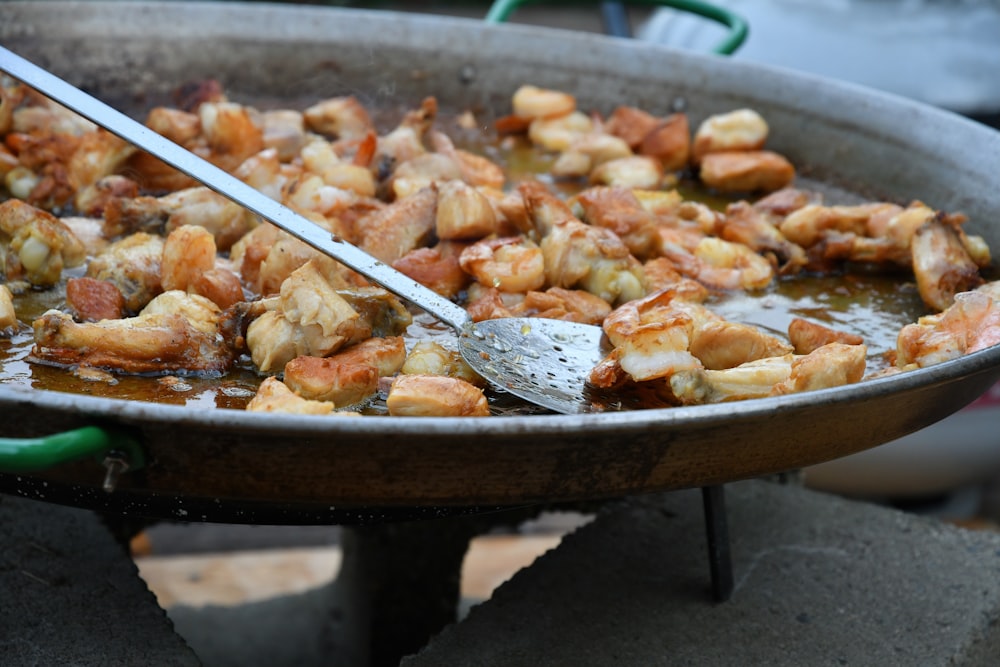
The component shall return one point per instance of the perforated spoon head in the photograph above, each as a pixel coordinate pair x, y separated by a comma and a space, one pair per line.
545, 362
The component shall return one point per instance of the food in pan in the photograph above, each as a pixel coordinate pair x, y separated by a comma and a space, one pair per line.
125, 278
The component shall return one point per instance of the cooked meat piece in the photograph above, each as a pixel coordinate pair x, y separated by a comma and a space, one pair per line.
133, 266
807, 336
971, 323
435, 396
832, 365
37, 245
8, 318
746, 171
180, 334
390, 233
739, 130
430, 358
331, 379
274, 396
942, 265
90, 300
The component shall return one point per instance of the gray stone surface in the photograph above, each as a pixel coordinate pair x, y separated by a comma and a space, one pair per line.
70, 595
818, 581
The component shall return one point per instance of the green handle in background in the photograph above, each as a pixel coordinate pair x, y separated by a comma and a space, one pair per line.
29, 454
738, 27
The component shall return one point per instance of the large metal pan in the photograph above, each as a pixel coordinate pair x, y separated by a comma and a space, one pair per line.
234, 466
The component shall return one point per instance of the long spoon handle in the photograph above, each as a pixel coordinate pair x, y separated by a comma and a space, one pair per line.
232, 188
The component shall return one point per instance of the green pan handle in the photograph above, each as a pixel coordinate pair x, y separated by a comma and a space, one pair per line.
738, 27
30, 454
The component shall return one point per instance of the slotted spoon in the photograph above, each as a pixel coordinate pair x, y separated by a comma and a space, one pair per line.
542, 361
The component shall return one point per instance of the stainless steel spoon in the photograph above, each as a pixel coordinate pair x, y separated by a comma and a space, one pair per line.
542, 361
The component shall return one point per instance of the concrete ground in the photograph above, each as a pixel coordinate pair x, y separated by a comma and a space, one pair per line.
817, 580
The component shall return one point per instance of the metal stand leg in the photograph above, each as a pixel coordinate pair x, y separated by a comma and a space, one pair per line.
717, 531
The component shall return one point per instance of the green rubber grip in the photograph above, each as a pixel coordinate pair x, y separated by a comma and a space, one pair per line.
31, 454
738, 27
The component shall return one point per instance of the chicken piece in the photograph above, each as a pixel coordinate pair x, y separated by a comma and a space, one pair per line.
386, 354
463, 212
941, 264
631, 124
720, 264
91, 200
832, 365
284, 257
381, 312
422, 171
589, 151
275, 396
739, 130
311, 196
388, 234
477, 170
133, 266
40, 115
559, 133
266, 173
754, 379
637, 171
331, 379
669, 142
252, 250
510, 264
713, 342
545, 211
339, 117
888, 239
226, 220
591, 258
619, 210
437, 268
180, 126
406, 141
8, 318
435, 396
783, 202
311, 318
486, 303
971, 323
283, 130
36, 244
8, 163
721, 344
750, 226
746, 171
180, 334
534, 102
98, 155
327, 320
230, 133
319, 157
667, 139
806, 226
90, 300
660, 274
563, 304
430, 358
807, 336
